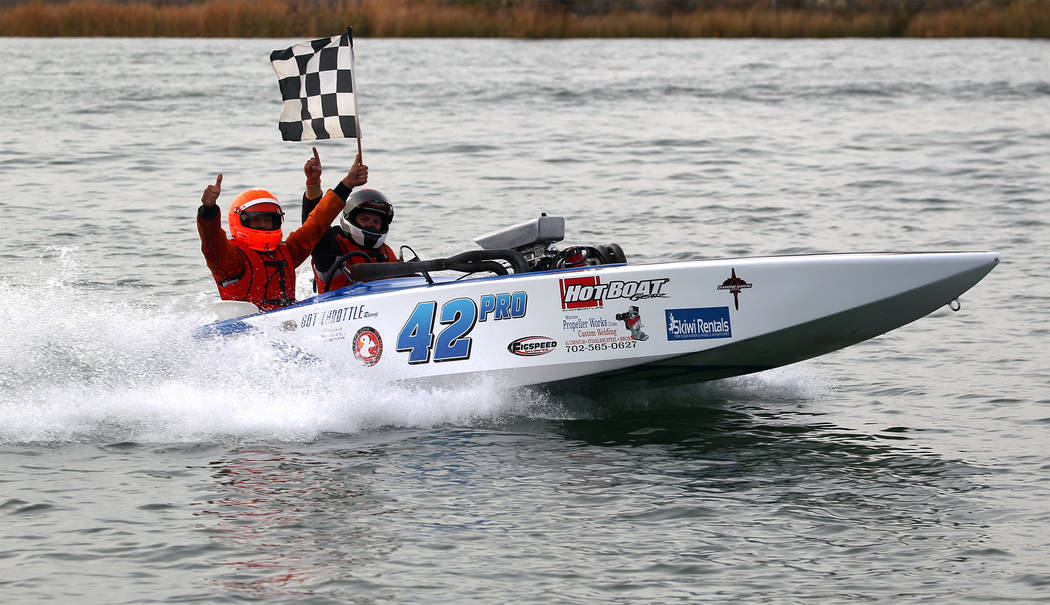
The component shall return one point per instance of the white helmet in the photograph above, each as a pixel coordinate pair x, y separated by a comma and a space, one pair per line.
366, 200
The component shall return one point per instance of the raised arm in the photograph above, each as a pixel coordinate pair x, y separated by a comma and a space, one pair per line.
223, 259
302, 241
358, 174
312, 195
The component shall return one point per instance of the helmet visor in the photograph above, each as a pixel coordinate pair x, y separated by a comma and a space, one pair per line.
263, 221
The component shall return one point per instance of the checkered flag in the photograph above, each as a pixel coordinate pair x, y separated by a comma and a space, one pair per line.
317, 86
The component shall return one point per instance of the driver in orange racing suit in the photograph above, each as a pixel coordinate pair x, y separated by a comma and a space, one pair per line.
362, 230
255, 264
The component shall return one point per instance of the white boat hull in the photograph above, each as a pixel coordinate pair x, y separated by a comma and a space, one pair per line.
696, 321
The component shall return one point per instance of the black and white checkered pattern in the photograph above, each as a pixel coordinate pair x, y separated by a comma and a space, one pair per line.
317, 86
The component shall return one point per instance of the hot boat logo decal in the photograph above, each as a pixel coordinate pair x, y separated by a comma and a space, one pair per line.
571, 289
698, 324
734, 284
368, 346
531, 346
584, 292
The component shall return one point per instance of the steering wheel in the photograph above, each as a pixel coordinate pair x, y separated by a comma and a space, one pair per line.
340, 264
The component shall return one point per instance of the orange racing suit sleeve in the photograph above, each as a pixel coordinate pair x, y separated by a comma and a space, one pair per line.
223, 259
301, 242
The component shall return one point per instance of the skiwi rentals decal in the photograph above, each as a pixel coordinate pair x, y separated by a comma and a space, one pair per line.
368, 346
734, 284
532, 346
698, 324
587, 292
459, 316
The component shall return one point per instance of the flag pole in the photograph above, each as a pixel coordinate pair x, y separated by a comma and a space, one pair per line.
353, 85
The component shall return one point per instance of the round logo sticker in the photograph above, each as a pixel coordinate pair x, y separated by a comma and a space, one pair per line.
368, 346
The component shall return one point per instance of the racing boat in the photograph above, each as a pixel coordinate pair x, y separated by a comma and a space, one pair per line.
522, 312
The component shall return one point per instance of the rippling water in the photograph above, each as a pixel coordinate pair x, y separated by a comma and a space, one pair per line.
139, 466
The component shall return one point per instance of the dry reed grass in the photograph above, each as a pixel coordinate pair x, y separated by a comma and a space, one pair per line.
434, 18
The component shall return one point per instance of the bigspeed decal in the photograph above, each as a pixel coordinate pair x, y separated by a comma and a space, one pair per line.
698, 323
532, 346
459, 316
584, 292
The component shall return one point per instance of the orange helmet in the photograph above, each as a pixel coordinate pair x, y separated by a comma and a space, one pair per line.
255, 218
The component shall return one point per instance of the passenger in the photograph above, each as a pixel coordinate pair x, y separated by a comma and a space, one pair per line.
255, 264
363, 228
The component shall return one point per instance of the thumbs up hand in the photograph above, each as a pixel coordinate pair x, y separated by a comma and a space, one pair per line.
211, 192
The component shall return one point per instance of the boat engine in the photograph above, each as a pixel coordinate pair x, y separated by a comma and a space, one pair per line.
520, 248
534, 239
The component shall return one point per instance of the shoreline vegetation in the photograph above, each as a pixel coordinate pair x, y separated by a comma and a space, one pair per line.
529, 19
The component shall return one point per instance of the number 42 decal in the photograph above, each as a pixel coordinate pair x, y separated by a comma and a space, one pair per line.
459, 316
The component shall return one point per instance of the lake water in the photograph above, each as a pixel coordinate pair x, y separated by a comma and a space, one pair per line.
137, 467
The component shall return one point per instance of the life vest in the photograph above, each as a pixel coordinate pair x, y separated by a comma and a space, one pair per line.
268, 279
383, 254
